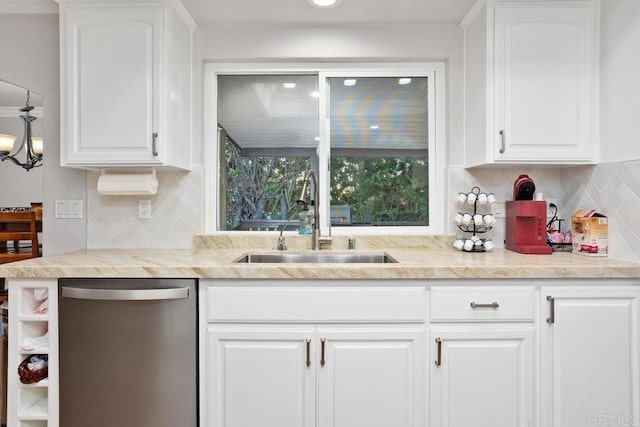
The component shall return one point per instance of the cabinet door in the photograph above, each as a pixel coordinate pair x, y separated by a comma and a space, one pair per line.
370, 377
482, 377
111, 83
259, 377
590, 364
545, 78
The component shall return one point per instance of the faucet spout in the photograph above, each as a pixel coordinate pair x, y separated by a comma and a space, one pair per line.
318, 238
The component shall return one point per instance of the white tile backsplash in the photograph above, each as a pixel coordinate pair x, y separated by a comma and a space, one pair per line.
614, 190
112, 221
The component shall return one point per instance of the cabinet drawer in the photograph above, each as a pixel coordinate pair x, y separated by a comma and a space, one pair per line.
482, 304
316, 304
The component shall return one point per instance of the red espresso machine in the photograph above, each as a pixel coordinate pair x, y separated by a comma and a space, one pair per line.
526, 220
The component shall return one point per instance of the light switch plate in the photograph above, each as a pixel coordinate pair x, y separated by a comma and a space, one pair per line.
68, 209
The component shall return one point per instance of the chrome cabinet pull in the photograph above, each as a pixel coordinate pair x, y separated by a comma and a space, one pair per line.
492, 305
552, 310
503, 142
154, 144
308, 352
322, 341
125, 294
439, 358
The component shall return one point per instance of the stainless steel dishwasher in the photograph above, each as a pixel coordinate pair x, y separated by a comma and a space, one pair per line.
128, 352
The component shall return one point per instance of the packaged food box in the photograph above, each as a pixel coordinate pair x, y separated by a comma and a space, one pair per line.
589, 233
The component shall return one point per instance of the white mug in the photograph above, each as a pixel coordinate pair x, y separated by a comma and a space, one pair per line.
471, 198
488, 245
458, 218
461, 197
477, 219
466, 219
482, 198
458, 244
491, 199
468, 245
489, 219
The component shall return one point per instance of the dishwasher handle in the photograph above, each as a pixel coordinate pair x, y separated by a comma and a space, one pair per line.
125, 294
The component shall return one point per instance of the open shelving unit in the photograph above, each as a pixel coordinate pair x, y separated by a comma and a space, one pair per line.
32, 405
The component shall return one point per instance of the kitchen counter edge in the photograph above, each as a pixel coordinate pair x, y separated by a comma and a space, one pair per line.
412, 264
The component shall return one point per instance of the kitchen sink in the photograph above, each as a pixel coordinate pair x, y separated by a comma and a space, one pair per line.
322, 257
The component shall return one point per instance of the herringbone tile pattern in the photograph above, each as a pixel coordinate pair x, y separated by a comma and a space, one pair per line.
112, 221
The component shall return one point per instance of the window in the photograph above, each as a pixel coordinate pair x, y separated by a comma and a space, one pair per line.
267, 134
379, 151
372, 136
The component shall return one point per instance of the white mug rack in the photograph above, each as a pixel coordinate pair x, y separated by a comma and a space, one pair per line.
477, 220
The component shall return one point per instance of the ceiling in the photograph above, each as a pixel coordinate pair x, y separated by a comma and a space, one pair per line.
296, 12
299, 12
260, 112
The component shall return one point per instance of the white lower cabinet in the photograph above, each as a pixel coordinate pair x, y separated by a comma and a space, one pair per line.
482, 367
590, 360
499, 353
482, 376
314, 353
287, 375
259, 377
370, 377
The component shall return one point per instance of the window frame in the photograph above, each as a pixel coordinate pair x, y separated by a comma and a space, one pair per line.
435, 73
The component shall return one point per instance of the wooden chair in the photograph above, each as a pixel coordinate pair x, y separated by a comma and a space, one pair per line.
18, 236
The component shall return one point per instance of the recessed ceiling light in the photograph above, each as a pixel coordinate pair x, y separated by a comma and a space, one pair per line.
289, 85
404, 80
350, 82
374, 127
315, 94
324, 3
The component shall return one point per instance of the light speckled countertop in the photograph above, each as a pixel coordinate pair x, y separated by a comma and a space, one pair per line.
418, 258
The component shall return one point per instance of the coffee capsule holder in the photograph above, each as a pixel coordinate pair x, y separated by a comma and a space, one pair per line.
478, 221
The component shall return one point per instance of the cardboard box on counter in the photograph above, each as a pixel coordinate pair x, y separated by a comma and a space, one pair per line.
589, 233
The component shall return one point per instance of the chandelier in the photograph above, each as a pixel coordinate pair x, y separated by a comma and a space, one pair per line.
32, 146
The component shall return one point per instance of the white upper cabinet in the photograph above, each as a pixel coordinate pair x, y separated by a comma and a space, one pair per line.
126, 85
531, 83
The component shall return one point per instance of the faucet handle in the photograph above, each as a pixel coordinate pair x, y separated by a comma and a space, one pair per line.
281, 244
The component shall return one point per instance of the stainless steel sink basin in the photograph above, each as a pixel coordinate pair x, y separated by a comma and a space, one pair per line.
321, 257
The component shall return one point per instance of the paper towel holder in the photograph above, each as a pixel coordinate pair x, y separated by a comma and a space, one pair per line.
128, 184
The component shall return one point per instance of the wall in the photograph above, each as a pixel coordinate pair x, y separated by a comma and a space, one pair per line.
613, 188
603, 187
30, 58
176, 217
175, 214
619, 87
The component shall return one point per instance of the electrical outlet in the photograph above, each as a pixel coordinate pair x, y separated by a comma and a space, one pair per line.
550, 210
144, 209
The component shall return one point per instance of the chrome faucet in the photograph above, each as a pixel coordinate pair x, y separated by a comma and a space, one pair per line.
318, 239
